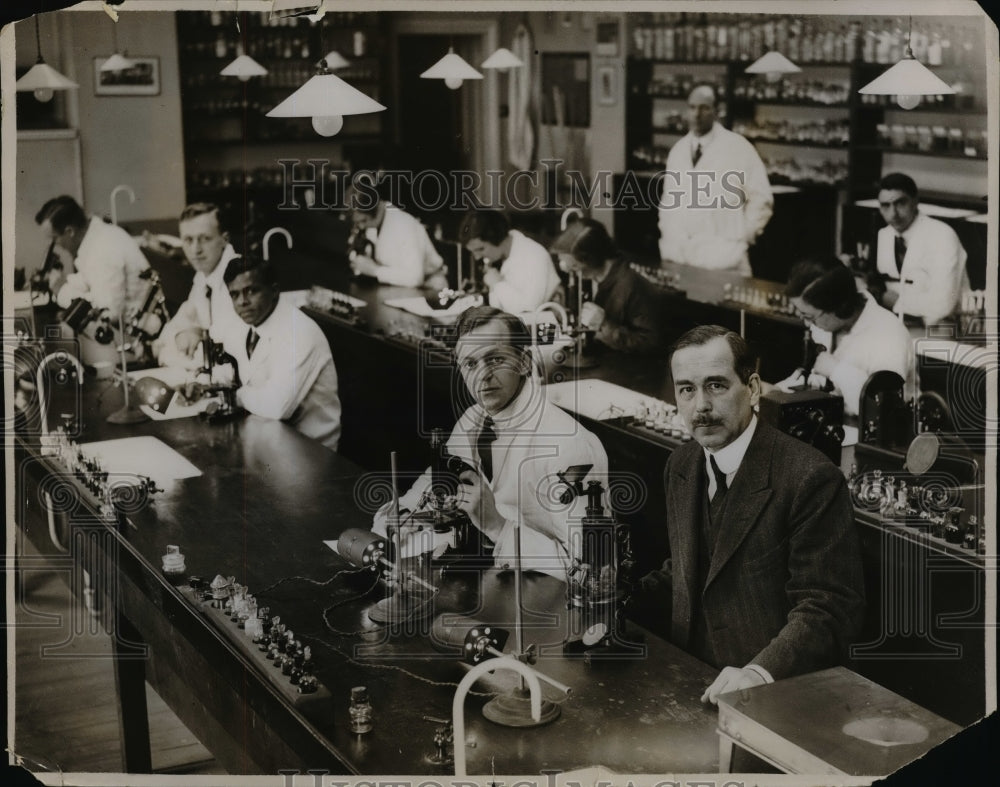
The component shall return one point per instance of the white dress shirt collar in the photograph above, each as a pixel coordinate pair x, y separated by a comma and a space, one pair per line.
705, 141
214, 278
730, 458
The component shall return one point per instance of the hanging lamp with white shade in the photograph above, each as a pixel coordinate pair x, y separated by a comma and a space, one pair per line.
118, 61
502, 60
773, 65
452, 69
244, 68
335, 60
908, 80
42, 78
326, 98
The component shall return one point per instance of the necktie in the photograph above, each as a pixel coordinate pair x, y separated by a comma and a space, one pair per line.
900, 253
208, 298
484, 447
697, 154
252, 338
721, 487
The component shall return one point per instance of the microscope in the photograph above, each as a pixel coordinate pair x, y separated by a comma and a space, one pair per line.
219, 377
439, 509
815, 417
602, 580
146, 322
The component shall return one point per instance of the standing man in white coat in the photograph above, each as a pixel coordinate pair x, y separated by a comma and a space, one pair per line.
716, 196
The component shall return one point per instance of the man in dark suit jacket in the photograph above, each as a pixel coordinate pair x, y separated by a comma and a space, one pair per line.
764, 580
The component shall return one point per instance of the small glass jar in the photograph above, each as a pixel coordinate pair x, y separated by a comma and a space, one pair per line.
174, 568
360, 710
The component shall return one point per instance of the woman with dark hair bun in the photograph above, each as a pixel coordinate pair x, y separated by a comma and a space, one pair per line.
625, 311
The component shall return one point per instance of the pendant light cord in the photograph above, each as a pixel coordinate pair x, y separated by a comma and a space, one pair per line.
38, 42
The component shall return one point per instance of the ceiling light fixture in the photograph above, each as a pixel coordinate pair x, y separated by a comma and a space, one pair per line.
42, 78
452, 69
118, 61
773, 65
502, 60
326, 98
908, 80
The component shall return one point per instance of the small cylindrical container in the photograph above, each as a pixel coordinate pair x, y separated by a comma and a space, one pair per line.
360, 710
174, 568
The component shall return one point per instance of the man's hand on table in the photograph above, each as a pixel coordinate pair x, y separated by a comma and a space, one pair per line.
732, 679
187, 341
362, 265
190, 393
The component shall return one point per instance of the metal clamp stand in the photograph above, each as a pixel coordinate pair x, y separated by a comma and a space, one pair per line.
514, 709
127, 413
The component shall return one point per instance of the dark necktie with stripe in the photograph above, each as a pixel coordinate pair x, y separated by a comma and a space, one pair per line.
900, 250
252, 338
696, 156
484, 447
721, 487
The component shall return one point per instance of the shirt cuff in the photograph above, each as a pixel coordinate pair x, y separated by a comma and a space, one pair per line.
760, 671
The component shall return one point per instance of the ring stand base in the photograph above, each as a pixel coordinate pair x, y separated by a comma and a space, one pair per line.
514, 710
396, 609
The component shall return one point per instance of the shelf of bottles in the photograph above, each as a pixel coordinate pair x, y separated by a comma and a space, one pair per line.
796, 92
704, 37
221, 110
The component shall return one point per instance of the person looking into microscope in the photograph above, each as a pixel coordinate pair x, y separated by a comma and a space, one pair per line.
514, 442
624, 313
285, 367
101, 262
205, 241
764, 578
855, 337
517, 271
921, 260
398, 249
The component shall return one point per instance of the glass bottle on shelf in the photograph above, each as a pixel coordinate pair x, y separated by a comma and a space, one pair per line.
806, 43
934, 49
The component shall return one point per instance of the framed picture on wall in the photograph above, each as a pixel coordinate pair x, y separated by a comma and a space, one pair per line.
142, 79
607, 38
566, 89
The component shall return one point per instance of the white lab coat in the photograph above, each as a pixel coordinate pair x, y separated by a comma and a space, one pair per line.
933, 277
528, 276
403, 250
291, 375
108, 264
535, 441
711, 213
217, 314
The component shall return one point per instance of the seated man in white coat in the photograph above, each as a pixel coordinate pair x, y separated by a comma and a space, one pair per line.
285, 366
107, 263
716, 196
518, 271
921, 259
208, 306
401, 250
517, 441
